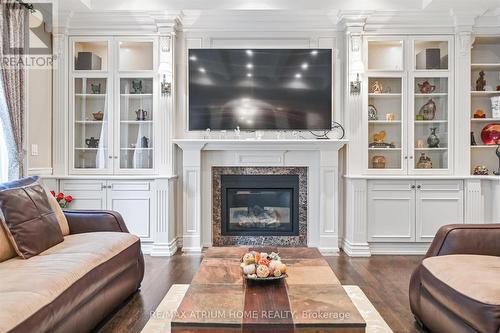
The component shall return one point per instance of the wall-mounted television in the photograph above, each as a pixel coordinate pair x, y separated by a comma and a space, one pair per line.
260, 89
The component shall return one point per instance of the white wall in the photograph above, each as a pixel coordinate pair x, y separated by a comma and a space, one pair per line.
39, 120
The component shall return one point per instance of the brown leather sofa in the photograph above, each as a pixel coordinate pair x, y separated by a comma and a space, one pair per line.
456, 288
72, 286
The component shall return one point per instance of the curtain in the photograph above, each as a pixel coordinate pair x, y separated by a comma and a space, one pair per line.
14, 18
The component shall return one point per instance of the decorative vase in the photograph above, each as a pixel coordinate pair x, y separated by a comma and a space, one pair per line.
428, 110
424, 162
433, 140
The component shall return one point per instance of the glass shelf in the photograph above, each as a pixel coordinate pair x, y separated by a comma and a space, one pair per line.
385, 55
136, 123
431, 55
91, 56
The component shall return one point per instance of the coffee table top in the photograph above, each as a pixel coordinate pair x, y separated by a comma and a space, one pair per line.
219, 299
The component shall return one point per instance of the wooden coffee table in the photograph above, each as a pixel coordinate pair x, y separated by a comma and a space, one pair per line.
310, 300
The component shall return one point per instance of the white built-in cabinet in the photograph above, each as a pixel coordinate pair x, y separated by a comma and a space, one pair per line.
405, 75
412, 210
113, 105
133, 199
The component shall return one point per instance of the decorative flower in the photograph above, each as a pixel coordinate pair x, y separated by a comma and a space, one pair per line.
62, 199
53, 193
60, 196
68, 198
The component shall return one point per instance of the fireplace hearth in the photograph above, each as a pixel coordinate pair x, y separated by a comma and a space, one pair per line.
259, 206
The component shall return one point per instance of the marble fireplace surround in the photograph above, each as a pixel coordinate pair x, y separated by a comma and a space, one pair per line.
320, 157
284, 241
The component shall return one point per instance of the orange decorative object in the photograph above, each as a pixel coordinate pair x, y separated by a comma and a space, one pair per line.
379, 137
479, 114
264, 262
491, 134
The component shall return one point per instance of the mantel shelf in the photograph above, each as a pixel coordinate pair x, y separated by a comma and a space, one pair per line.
263, 144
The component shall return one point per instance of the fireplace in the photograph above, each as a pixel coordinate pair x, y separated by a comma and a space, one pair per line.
259, 205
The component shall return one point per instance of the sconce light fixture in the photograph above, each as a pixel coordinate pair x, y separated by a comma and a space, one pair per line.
356, 86
166, 87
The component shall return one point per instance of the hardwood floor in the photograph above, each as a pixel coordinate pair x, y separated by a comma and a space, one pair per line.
384, 279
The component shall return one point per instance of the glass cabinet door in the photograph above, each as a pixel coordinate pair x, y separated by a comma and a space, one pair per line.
431, 55
90, 55
385, 121
91, 117
136, 123
431, 123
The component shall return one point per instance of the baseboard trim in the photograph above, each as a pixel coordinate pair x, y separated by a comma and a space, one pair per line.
399, 248
356, 249
164, 249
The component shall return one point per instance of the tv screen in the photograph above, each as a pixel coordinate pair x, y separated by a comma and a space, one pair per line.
264, 89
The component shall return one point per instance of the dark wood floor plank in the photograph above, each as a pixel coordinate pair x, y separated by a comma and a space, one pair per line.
384, 279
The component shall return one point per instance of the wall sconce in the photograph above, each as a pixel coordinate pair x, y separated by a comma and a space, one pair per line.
356, 86
166, 87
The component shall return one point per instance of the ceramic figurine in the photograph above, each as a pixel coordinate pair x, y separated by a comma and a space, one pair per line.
428, 110
98, 115
390, 117
372, 112
480, 170
420, 144
480, 82
424, 162
379, 137
426, 88
479, 114
377, 87
92, 142
472, 139
141, 114
378, 162
433, 140
137, 87
96, 88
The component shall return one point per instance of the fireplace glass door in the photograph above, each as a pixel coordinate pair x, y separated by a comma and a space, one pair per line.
259, 205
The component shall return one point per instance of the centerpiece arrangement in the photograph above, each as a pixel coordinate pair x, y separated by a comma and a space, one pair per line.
261, 266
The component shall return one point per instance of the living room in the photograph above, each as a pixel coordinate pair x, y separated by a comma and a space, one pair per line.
250, 166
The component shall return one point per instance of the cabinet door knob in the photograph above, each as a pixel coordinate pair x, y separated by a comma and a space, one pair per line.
110, 156
103, 186
411, 157
413, 186
116, 157
406, 157
419, 186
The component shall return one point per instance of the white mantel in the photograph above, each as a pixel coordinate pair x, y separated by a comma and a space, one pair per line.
199, 155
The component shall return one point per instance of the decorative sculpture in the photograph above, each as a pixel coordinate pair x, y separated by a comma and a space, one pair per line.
480, 82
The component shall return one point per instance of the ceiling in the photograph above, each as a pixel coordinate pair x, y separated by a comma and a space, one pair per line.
290, 14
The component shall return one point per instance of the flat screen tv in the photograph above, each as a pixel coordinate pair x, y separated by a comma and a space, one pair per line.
260, 89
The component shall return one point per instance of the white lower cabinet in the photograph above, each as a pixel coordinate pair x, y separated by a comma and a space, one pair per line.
412, 210
132, 199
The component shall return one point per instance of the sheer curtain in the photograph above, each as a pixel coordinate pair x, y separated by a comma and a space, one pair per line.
7, 143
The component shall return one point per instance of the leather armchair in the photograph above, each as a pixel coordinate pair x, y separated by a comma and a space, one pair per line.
438, 315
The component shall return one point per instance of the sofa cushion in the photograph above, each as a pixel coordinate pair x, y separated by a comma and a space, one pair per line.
29, 220
26, 286
468, 286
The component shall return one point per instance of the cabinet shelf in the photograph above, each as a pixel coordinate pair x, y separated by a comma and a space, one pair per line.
431, 149
486, 66
488, 93
385, 95
483, 146
91, 95
383, 149
484, 120
136, 95
137, 148
431, 121
385, 122
136, 121
91, 149
91, 122
431, 95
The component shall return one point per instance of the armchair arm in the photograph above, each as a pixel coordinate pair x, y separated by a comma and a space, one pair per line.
81, 221
481, 239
